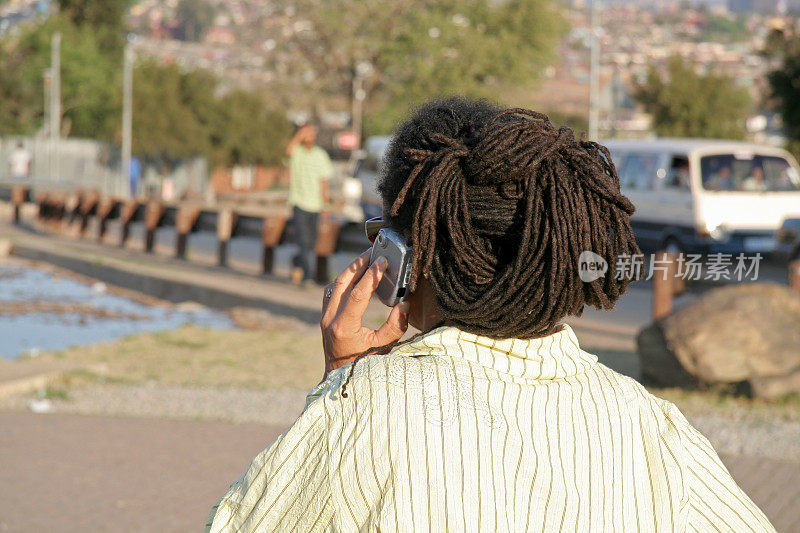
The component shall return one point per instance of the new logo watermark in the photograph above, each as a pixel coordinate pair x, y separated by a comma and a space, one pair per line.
591, 266
716, 267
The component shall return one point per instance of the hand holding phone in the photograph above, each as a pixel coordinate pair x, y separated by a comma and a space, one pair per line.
343, 307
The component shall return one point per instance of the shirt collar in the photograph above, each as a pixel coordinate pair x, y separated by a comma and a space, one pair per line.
555, 356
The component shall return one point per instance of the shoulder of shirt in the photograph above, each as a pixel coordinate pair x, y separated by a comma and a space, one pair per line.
633, 392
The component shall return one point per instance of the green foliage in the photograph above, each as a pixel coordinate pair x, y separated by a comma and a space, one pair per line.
20, 102
164, 123
687, 104
420, 49
89, 81
250, 131
785, 83
725, 28
105, 18
578, 123
177, 114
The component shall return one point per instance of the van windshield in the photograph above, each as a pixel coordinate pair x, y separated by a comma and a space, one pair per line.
748, 173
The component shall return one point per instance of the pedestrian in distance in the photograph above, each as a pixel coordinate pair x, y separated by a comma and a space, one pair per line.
310, 170
135, 176
19, 163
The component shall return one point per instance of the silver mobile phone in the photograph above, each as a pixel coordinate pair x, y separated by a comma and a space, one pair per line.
393, 287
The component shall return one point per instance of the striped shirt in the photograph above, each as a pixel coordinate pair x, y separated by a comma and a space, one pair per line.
308, 168
457, 432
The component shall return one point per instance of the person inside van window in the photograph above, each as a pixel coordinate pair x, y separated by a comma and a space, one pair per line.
679, 175
785, 175
722, 180
755, 181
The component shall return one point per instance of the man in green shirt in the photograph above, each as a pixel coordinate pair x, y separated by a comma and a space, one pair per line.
309, 171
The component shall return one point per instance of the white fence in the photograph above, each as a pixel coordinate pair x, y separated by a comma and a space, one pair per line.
86, 163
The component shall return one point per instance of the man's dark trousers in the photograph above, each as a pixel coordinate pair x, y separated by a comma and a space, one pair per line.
305, 227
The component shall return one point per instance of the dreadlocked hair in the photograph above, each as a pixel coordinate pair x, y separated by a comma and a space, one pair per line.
498, 205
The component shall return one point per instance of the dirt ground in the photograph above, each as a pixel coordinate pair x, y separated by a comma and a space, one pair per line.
289, 358
201, 357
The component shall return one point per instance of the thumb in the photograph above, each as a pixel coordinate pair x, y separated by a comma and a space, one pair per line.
394, 328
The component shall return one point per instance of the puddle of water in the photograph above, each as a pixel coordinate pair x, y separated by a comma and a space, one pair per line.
57, 313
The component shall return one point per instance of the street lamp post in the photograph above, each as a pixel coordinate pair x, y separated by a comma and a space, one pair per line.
358, 108
55, 104
127, 102
363, 70
594, 73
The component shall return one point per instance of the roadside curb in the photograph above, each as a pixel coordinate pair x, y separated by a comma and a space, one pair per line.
169, 279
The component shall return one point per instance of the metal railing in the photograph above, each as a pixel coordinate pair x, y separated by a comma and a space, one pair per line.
62, 211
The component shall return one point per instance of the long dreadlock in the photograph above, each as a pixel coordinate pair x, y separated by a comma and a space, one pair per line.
498, 204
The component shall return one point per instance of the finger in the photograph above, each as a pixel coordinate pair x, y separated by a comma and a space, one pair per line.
358, 299
394, 328
345, 281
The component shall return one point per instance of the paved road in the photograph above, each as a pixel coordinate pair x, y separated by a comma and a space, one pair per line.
633, 310
91, 473
88, 473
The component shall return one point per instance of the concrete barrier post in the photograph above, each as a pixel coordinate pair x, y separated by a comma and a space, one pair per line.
57, 210
67, 207
664, 284
41, 203
226, 219
184, 225
88, 204
678, 278
126, 214
327, 236
271, 233
19, 194
104, 209
794, 275
152, 218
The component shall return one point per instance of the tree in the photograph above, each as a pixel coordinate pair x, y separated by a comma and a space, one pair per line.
416, 49
89, 81
164, 123
106, 18
178, 114
785, 81
250, 131
686, 104
91, 55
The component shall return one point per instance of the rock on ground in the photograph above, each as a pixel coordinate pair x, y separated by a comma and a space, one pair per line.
739, 333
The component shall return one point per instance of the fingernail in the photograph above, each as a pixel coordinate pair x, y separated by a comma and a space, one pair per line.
382, 263
404, 307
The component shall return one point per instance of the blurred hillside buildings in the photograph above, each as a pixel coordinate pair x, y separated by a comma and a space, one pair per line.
247, 44
241, 41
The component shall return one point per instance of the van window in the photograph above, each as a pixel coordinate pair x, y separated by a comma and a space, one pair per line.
639, 171
618, 158
748, 173
677, 177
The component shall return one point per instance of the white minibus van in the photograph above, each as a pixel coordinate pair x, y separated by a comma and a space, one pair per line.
707, 196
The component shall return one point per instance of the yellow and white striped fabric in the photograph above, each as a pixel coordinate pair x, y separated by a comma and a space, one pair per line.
456, 432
